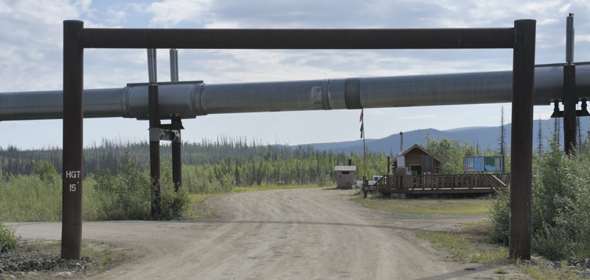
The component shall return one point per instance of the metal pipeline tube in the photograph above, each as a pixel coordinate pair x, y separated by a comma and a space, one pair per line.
189, 99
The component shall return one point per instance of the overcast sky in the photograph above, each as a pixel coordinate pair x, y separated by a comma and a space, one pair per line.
31, 59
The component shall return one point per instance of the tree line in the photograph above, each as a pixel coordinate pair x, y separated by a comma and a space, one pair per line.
221, 162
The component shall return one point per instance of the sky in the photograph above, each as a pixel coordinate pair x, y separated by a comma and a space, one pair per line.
31, 59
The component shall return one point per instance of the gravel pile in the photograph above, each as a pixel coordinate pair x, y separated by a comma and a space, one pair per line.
19, 262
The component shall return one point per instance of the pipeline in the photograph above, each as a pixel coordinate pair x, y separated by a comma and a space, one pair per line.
191, 99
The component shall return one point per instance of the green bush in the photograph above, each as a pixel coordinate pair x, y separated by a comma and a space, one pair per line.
450, 153
124, 195
7, 239
561, 203
127, 195
500, 218
35, 197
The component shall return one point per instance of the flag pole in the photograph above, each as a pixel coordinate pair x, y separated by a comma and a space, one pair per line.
362, 119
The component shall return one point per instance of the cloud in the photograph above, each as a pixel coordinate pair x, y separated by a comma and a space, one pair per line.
172, 12
30, 39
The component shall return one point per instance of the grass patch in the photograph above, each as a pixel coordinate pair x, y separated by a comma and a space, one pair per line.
428, 207
471, 244
468, 245
542, 272
7, 239
268, 187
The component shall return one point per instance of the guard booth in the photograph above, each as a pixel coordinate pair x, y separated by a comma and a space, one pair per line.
345, 176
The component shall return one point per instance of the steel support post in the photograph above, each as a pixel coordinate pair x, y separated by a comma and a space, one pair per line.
521, 151
177, 156
154, 119
73, 66
176, 124
569, 108
569, 91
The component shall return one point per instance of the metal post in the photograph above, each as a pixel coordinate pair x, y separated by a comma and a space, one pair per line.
388, 165
73, 66
154, 117
569, 39
173, 65
177, 155
569, 91
522, 138
176, 124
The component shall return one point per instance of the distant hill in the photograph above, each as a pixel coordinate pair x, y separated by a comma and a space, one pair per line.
486, 137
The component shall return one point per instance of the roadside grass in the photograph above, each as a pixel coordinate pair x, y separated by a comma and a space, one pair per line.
542, 272
471, 244
268, 187
7, 239
428, 207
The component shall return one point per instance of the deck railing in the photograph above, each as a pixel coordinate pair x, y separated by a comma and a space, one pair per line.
453, 183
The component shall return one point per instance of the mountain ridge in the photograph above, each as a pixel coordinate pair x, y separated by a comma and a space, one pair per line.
486, 137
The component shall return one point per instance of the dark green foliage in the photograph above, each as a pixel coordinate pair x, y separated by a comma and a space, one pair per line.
7, 239
561, 203
500, 217
125, 195
450, 153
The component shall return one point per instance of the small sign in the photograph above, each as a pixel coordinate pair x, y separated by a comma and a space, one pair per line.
72, 174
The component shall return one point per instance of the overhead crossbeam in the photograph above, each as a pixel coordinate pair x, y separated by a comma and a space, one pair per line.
443, 38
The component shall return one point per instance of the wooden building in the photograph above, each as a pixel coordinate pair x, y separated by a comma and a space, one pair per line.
417, 161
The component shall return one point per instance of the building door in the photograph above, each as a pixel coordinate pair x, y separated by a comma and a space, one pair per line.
416, 170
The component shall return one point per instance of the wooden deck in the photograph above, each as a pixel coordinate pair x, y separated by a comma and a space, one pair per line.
442, 184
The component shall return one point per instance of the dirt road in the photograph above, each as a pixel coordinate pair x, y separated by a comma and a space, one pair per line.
284, 234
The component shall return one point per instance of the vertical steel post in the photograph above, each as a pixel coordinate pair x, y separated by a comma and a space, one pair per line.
73, 66
569, 39
177, 155
569, 91
154, 117
176, 124
173, 65
521, 151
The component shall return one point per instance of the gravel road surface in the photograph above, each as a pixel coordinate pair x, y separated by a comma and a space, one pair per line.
282, 234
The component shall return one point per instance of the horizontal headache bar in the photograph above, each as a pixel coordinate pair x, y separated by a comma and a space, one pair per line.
449, 38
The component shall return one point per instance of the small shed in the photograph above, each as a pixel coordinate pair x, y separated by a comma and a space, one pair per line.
417, 161
345, 176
